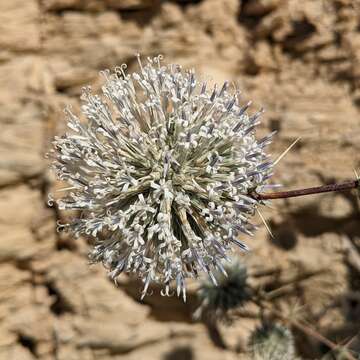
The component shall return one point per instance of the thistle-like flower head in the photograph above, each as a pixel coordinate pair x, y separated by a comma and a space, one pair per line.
161, 169
272, 341
227, 291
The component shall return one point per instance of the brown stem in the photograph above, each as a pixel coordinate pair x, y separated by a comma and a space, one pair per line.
347, 185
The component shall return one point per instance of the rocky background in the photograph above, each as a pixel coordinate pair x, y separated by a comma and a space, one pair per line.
300, 60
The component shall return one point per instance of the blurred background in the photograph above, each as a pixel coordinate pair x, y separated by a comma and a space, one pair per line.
300, 60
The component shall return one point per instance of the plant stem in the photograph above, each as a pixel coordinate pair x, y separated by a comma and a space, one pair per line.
347, 185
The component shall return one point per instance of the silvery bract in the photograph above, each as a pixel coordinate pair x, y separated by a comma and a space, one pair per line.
161, 170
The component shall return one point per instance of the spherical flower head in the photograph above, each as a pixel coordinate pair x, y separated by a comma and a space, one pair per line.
272, 341
161, 170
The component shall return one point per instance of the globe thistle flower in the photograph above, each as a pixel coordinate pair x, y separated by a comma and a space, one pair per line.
272, 342
161, 168
226, 292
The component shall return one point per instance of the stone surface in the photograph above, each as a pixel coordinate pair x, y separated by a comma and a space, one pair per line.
22, 129
19, 25
300, 60
85, 290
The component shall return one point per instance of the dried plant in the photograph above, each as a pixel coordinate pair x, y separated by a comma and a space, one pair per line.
161, 169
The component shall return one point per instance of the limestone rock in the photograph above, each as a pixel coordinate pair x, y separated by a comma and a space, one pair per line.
21, 138
259, 7
12, 209
86, 290
297, 59
16, 353
59, 5
118, 338
19, 25
131, 4
18, 241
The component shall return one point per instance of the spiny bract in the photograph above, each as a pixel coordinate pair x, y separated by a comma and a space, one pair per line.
231, 292
161, 169
272, 342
